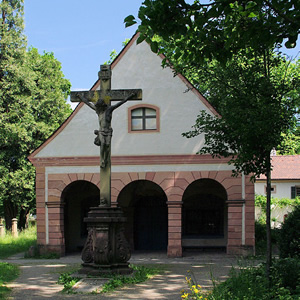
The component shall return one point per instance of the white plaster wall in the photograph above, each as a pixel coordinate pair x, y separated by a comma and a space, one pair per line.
138, 68
283, 188
77, 138
178, 108
277, 214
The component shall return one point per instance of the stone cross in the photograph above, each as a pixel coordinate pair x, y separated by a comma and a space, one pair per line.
100, 101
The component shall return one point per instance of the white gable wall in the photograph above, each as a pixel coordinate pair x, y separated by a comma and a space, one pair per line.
138, 68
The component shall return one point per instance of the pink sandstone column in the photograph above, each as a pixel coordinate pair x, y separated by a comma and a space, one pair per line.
174, 228
56, 227
235, 219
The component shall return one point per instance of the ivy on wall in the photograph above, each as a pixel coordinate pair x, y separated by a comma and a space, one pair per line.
260, 201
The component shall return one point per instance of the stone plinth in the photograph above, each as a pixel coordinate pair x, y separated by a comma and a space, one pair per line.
14, 228
2, 230
106, 249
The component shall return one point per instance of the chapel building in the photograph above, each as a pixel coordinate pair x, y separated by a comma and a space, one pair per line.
173, 198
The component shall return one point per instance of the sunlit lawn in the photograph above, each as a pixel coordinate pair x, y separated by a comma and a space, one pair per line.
10, 246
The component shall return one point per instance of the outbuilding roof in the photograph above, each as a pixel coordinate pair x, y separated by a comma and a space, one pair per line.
285, 167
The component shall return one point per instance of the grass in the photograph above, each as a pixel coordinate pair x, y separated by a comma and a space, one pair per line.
68, 281
10, 245
8, 272
141, 274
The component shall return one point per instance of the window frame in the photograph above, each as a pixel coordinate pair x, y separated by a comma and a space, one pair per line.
143, 106
273, 189
295, 190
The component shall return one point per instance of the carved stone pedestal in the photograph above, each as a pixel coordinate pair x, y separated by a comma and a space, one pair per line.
106, 249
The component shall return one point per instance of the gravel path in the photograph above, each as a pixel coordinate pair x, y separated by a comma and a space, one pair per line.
38, 279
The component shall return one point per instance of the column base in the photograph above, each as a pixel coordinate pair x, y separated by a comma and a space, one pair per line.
98, 270
241, 250
174, 251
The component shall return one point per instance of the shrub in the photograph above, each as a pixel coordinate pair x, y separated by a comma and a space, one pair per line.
289, 239
287, 271
260, 237
251, 283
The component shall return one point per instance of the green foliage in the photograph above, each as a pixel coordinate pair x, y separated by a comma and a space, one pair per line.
260, 201
141, 274
260, 237
67, 281
113, 54
33, 104
217, 29
8, 272
10, 245
289, 239
290, 144
257, 104
255, 97
251, 283
287, 272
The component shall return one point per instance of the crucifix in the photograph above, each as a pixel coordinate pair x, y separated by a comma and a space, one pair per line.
100, 102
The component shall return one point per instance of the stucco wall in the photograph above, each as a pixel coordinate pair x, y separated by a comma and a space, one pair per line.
282, 188
138, 68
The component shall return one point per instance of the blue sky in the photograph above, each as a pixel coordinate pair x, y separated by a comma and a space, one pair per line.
80, 33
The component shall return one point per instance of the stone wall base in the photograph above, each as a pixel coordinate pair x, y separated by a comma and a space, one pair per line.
47, 249
241, 250
174, 251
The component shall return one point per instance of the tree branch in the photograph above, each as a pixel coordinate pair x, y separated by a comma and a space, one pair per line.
280, 14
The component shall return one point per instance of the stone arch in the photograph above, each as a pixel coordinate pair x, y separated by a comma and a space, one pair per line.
78, 196
168, 181
58, 182
145, 205
204, 214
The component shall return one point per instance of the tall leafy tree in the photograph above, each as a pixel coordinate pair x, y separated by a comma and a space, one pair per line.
257, 102
32, 104
219, 31
218, 28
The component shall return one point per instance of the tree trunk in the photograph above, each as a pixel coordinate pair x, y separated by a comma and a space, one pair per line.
268, 222
22, 224
10, 212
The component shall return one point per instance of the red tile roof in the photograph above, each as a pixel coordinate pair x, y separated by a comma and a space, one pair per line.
285, 167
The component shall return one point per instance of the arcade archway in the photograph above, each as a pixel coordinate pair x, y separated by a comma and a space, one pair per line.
144, 205
77, 197
204, 215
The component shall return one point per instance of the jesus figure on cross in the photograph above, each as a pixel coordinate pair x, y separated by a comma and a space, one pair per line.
104, 134
101, 102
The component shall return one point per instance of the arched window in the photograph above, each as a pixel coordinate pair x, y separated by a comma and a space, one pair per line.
143, 118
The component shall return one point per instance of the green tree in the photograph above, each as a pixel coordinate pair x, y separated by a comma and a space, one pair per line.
218, 29
113, 54
32, 105
257, 103
290, 144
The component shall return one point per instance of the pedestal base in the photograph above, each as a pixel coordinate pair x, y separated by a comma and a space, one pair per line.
98, 270
106, 249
